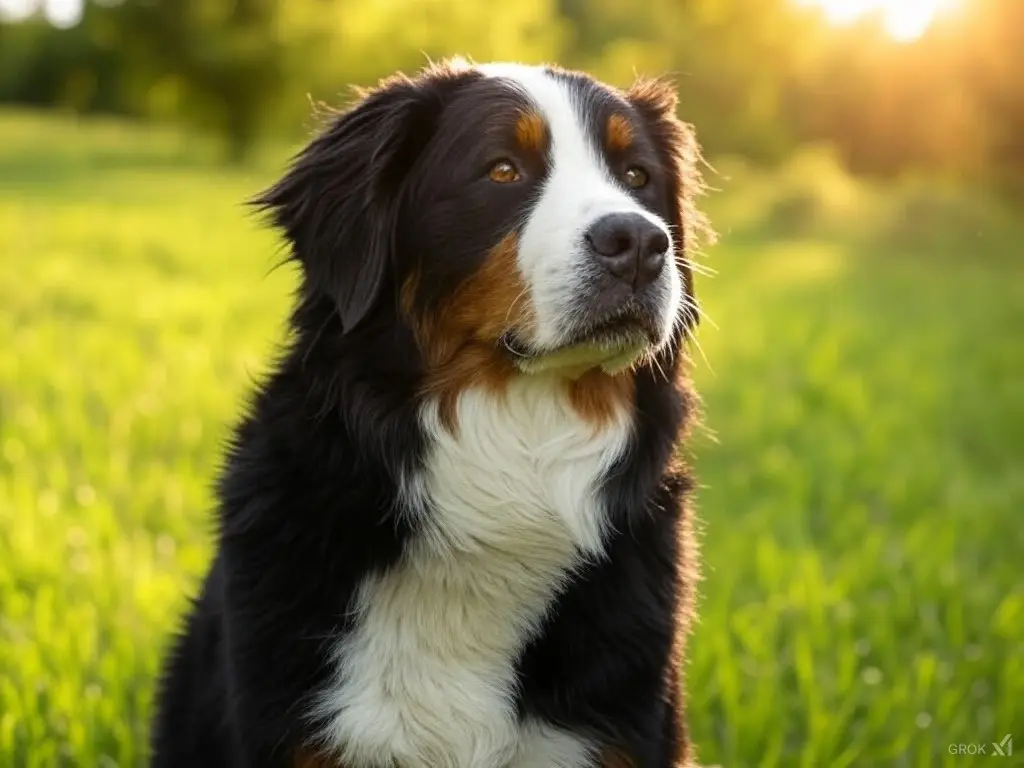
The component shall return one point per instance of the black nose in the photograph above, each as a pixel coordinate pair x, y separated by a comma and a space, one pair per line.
630, 246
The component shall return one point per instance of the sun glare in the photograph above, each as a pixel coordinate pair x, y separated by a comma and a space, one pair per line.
903, 20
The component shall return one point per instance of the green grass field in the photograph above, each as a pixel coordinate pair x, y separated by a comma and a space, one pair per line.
862, 459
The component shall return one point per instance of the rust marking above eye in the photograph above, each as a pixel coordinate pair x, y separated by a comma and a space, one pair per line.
618, 134
531, 132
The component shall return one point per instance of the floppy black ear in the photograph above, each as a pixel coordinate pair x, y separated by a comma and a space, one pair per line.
337, 204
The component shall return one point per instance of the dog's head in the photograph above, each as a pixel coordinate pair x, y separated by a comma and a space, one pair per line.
518, 220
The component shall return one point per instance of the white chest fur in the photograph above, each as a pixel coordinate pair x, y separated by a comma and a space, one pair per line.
508, 506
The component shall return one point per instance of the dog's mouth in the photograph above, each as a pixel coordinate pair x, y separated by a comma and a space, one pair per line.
613, 343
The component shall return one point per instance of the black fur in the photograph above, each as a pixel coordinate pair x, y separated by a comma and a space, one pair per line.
307, 497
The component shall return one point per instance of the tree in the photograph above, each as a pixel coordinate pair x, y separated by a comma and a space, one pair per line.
233, 59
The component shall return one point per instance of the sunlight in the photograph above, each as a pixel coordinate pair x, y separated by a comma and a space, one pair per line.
17, 10
903, 20
61, 13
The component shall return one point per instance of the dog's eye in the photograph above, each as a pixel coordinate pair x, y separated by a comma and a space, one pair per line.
636, 177
503, 172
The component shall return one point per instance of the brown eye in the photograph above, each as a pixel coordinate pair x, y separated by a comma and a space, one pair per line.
503, 172
636, 177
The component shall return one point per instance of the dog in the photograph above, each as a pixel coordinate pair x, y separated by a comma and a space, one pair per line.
454, 528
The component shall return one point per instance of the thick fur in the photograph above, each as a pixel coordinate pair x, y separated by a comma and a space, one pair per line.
427, 558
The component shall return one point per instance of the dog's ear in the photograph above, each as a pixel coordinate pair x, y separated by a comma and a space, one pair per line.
657, 102
337, 204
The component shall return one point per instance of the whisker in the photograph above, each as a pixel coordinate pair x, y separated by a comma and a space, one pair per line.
508, 317
515, 301
700, 269
689, 260
700, 349
697, 309
657, 364
509, 349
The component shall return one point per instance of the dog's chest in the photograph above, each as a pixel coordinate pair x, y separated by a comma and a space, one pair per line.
505, 508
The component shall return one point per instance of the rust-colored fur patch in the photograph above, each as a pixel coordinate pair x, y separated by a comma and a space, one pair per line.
531, 132
462, 340
618, 134
597, 396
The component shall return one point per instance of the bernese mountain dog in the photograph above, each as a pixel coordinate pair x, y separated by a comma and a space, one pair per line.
453, 527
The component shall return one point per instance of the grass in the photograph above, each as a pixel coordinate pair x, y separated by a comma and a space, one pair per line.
862, 462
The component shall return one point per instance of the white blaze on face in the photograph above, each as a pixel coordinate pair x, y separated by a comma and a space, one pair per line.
578, 190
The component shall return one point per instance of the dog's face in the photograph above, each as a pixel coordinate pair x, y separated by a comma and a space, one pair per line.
518, 219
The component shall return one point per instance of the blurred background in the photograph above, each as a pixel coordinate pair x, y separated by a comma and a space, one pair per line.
862, 451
